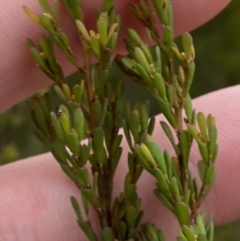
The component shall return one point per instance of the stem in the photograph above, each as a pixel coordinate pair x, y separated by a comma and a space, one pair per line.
89, 86
103, 191
179, 119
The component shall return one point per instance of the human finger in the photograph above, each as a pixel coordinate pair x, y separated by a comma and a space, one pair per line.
19, 76
35, 205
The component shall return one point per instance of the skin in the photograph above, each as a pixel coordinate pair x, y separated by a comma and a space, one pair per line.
34, 202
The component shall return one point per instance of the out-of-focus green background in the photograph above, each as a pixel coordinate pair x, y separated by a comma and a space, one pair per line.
217, 46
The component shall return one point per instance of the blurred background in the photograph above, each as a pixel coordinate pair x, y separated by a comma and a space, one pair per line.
217, 46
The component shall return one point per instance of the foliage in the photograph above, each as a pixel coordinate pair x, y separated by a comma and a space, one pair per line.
225, 72
93, 111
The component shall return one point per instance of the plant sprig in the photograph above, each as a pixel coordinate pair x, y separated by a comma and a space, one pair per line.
85, 129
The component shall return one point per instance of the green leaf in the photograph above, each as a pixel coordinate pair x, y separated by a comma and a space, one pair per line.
181, 72
85, 151
67, 91
45, 6
209, 175
201, 237
45, 22
57, 127
145, 6
104, 112
145, 163
193, 131
65, 40
74, 8
82, 29
113, 41
60, 93
107, 5
215, 152
82, 176
201, 224
131, 215
160, 85
30, 14
134, 37
169, 14
95, 46
127, 63
85, 203
190, 75
73, 142
91, 198
46, 45
202, 123
167, 111
182, 237
188, 107
122, 229
151, 229
186, 198
55, 13
143, 74
158, 59
133, 123
127, 134
168, 39
211, 232
41, 120
165, 201
161, 11
147, 52
107, 234
170, 94
116, 143
58, 42
141, 58
79, 124
157, 154
202, 169
161, 182
204, 152
87, 229
76, 208
129, 188
151, 126
60, 153
168, 162
185, 145
98, 145
65, 122
56, 70
38, 59
42, 137
212, 138
187, 43
169, 134
175, 189
160, 235
183, 213
102, 26
188, 233
148, 155
78, 92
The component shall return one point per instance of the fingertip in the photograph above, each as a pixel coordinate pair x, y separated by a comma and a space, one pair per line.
35, 201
